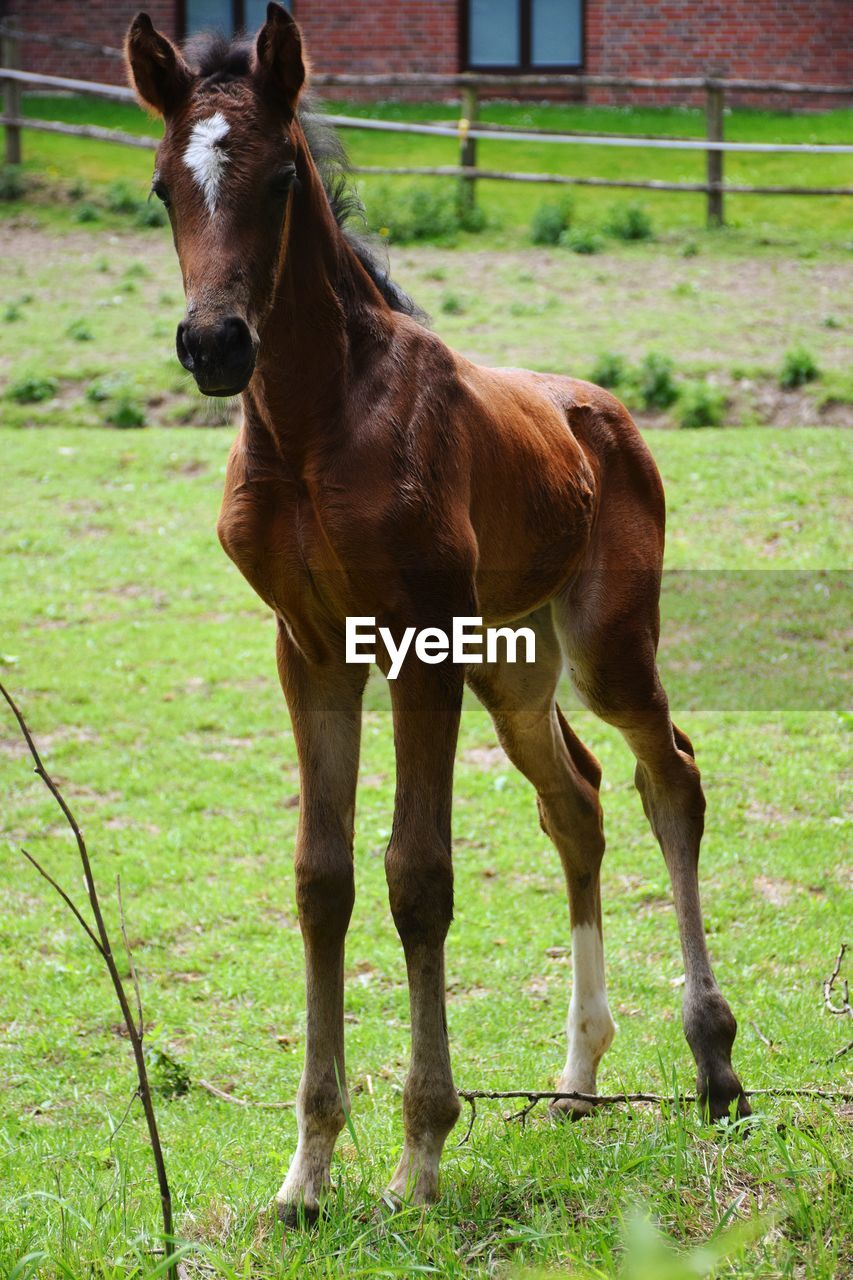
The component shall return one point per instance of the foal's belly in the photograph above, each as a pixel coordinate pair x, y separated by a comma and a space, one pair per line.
533, 499
511, 586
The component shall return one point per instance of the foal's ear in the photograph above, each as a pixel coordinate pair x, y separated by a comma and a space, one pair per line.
279, 63
156, 69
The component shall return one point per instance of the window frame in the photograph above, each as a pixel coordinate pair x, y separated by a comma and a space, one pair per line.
524, 66
238, 17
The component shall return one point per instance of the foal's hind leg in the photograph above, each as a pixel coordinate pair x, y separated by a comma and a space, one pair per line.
610, 629
566, 776
325, 707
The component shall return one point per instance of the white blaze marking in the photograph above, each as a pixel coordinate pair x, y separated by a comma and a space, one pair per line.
590, 1026
205, 157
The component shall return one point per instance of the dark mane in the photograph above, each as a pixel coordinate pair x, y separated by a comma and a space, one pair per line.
220, 62
217, 59
332, 162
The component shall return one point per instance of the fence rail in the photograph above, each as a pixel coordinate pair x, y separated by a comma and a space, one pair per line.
66, 84
559, 179
491, 80
468, 130
587, 139
79, 131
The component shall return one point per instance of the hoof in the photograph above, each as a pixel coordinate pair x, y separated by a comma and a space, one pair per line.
297, 1215
401, 1194
715, 1101
390, 1203
563, 1109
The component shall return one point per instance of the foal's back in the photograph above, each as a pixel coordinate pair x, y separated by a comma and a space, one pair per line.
541, 463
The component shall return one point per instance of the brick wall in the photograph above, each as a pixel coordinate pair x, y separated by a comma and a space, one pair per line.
382, 35
804, 40
800, 40
102, 22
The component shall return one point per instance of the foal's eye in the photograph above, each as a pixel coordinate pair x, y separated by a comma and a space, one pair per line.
283, 180
158, 188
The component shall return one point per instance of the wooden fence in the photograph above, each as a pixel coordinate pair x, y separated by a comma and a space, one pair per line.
469, 130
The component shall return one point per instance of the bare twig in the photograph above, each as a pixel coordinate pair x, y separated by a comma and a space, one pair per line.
114, 1132
830, 1095
611, 1099
762, 1037
521, 1116
535, 1096
843, 1010
242, 1102
598, 1099
127, 947
103, 946
840, 1010
64, 896
118, 1128
472, 1103
57, 1175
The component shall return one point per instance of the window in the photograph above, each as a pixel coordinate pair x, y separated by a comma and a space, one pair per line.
229, 16
522, 35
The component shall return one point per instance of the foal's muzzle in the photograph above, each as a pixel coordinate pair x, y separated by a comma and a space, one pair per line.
220, 356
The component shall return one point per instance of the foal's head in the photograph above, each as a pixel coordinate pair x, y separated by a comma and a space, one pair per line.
225, 171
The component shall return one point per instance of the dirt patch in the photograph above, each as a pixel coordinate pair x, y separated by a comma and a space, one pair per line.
129, 824
486, 758
766, 814
776, 892
24, 241
78, 734
763, 403
721, 316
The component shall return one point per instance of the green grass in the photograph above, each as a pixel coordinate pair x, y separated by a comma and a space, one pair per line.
510, 207
145, 667
719, 317
724, 306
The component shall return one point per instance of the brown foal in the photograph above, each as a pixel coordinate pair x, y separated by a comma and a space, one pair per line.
376, 473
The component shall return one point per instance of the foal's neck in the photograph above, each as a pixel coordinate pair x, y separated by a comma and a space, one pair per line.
325, 313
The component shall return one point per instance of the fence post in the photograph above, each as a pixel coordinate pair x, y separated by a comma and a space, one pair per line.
12, 100
714, 118
468, 148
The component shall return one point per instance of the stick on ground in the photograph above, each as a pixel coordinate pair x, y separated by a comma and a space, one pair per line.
100, 939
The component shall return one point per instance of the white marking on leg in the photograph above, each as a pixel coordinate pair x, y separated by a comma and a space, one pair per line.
415, 1179
319, 1125
590, 1027
205, 157
308, 1174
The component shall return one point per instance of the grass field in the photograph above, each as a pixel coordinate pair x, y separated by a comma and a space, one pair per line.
89, 321
92, 299
802, 223
145, 666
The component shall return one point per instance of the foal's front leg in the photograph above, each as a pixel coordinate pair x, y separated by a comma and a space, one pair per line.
325, 707
426, 703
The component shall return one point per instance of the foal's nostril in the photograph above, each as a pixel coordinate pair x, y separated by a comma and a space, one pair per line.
233, 328
237, 339
181, 347
220, 356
